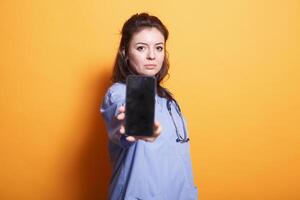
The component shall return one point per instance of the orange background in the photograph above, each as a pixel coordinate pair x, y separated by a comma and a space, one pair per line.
234, 70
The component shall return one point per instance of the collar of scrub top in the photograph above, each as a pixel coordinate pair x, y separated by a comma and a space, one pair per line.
180, 138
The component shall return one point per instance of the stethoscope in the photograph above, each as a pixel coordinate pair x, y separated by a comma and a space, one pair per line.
179, 137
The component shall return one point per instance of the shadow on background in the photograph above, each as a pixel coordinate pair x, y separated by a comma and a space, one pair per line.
92, 168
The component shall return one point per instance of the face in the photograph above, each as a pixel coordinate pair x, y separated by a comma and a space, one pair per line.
146, 51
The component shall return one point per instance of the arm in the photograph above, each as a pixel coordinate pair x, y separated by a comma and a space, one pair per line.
110, 109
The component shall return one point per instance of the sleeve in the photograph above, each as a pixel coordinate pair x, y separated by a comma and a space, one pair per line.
114, 98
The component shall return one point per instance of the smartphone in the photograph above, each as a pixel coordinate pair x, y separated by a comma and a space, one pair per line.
140, 105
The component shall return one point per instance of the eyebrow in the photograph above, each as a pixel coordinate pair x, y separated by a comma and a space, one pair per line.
159, 43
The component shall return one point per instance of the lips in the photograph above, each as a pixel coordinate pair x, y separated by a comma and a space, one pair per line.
150, 66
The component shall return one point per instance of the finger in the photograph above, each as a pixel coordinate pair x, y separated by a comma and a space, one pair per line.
122, 129
122, 109
121, 116
130, 139
157, 129
156, 124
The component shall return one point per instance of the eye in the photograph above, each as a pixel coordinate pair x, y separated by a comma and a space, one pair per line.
160, 48
140, 48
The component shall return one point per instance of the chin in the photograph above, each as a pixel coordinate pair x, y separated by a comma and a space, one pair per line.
149, 73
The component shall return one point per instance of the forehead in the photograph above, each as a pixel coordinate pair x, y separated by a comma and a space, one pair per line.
148, 35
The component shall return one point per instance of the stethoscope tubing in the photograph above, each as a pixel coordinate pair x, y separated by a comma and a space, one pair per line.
179, 137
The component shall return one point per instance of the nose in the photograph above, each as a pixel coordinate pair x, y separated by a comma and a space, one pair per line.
151, 54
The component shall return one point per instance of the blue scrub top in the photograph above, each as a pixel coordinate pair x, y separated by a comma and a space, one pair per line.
141, 170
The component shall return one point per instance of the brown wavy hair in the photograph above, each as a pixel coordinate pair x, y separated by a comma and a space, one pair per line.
122, 68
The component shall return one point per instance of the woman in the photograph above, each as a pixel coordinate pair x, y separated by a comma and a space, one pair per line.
157, 167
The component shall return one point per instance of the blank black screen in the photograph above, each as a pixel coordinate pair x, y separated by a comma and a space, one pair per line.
140, 105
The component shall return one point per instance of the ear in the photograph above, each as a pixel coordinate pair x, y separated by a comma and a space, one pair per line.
123, 53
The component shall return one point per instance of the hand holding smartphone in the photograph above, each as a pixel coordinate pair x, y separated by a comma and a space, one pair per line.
140, 105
